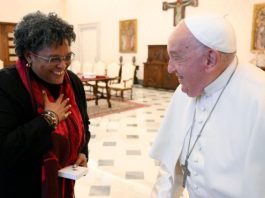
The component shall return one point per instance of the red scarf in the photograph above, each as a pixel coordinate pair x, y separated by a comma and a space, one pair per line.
67, 138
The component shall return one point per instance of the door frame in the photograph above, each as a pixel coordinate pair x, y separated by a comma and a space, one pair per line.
89, 27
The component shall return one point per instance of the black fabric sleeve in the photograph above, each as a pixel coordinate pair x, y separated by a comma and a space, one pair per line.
23, 135
82, 105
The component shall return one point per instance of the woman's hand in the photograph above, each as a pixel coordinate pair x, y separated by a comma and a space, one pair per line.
81, 160
61, 106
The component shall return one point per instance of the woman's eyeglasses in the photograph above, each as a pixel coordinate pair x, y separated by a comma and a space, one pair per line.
55, 60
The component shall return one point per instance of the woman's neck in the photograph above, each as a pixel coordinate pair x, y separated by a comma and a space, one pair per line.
53, 88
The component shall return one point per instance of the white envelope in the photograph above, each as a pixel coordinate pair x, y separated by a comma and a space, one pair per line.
71, 172
89, 75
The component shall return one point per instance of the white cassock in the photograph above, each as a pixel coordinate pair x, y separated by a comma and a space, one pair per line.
229, 158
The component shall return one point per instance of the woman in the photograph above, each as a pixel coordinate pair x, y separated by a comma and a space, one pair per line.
43, 117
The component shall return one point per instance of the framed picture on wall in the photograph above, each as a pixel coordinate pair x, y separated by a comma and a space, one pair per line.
128, 36
258, 28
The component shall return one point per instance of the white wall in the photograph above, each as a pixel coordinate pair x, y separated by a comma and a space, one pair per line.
14, 10
154, 24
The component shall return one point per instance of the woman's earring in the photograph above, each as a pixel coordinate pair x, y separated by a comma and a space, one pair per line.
28, 64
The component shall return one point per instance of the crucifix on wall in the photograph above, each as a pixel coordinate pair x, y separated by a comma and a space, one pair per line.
179, 8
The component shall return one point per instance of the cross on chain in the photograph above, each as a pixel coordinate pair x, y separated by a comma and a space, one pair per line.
179, 8
186, 172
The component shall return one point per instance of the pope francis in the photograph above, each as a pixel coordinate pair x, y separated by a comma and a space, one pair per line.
212, 138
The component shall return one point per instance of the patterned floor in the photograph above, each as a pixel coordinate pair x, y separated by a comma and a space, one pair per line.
119, 164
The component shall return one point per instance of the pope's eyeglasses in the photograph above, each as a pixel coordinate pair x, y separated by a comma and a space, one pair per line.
55, 60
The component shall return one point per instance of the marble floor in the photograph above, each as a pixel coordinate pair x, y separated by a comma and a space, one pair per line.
119, 165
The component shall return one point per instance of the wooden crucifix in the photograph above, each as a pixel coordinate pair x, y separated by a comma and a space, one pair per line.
179, 8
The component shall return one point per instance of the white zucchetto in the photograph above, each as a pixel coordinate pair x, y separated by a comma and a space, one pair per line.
213, 31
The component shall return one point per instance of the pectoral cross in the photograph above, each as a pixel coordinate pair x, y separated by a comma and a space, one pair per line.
179, 8
186, 173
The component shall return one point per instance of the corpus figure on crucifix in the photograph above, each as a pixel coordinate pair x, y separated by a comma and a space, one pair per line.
179, 8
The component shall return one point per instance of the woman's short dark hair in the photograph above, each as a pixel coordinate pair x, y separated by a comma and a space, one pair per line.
37, 31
